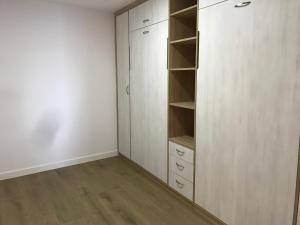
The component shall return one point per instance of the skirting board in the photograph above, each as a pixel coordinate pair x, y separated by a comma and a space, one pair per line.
56, 165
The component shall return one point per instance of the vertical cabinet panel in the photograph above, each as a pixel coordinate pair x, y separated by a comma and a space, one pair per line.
298, 215
248, 111
122, 30
137, 95
149, 98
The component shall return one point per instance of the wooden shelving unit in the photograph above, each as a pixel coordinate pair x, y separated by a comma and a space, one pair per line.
186, 12
184, 105
185, 41
182, 70
183, 57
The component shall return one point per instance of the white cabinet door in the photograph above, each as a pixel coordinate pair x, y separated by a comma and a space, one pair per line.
149, 98
160, 10
156, 98
207, 3
122, 34
138, 98
148, 13
140, 16
248, 111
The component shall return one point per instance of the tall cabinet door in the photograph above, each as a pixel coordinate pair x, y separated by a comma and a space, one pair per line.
149, 98
122, 34
248, 109
138, 97
155, 62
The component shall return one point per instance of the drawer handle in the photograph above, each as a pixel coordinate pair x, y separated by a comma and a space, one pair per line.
242, 4
179, 184
146, 32
180, 153
146, 21
180, 167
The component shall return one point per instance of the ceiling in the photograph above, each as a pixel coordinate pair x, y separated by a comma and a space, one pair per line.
107, 5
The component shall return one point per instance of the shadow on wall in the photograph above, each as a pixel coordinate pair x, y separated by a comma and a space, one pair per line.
47, 129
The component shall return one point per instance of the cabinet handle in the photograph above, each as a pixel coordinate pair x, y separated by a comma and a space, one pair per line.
198, 44
180, 153
167, 53
242, 4
129, 58
146, 32
179, 184
146, 21
180, 167
127, 90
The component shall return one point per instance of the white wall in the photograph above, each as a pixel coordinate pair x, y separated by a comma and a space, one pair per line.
57, 86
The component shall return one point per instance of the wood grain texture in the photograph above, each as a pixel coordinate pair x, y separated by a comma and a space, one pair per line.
106, 192
296, 218
185, 141
130, 6
181, 86
181, 122
148, 13
248, 111
122, 34
149, 98
178, 5
184, 105
208, 3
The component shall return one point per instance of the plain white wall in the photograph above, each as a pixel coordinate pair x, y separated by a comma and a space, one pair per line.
57, 85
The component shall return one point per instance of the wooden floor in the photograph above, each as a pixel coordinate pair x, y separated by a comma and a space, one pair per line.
106, 192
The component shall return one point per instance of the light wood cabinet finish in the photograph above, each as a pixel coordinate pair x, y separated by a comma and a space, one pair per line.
149, 98
208, 3
248, 109
182, 168
148, 13
298, 217
181, 185
122, 33
181, 152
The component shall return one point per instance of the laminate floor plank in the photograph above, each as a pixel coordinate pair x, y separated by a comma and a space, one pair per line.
105, 192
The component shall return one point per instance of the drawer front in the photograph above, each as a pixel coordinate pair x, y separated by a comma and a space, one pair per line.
207, 3
181, 152
181, 185
182, 168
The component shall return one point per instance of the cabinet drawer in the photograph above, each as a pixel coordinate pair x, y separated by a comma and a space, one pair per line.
207, 3
181, 152
182, 168
181, 185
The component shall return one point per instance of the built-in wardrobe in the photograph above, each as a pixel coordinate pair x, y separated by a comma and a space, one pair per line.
142, 35
209, 103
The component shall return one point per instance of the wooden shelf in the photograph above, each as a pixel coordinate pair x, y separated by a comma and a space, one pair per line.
185, 41
187, 12
186, 141
182, 69
185, 105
